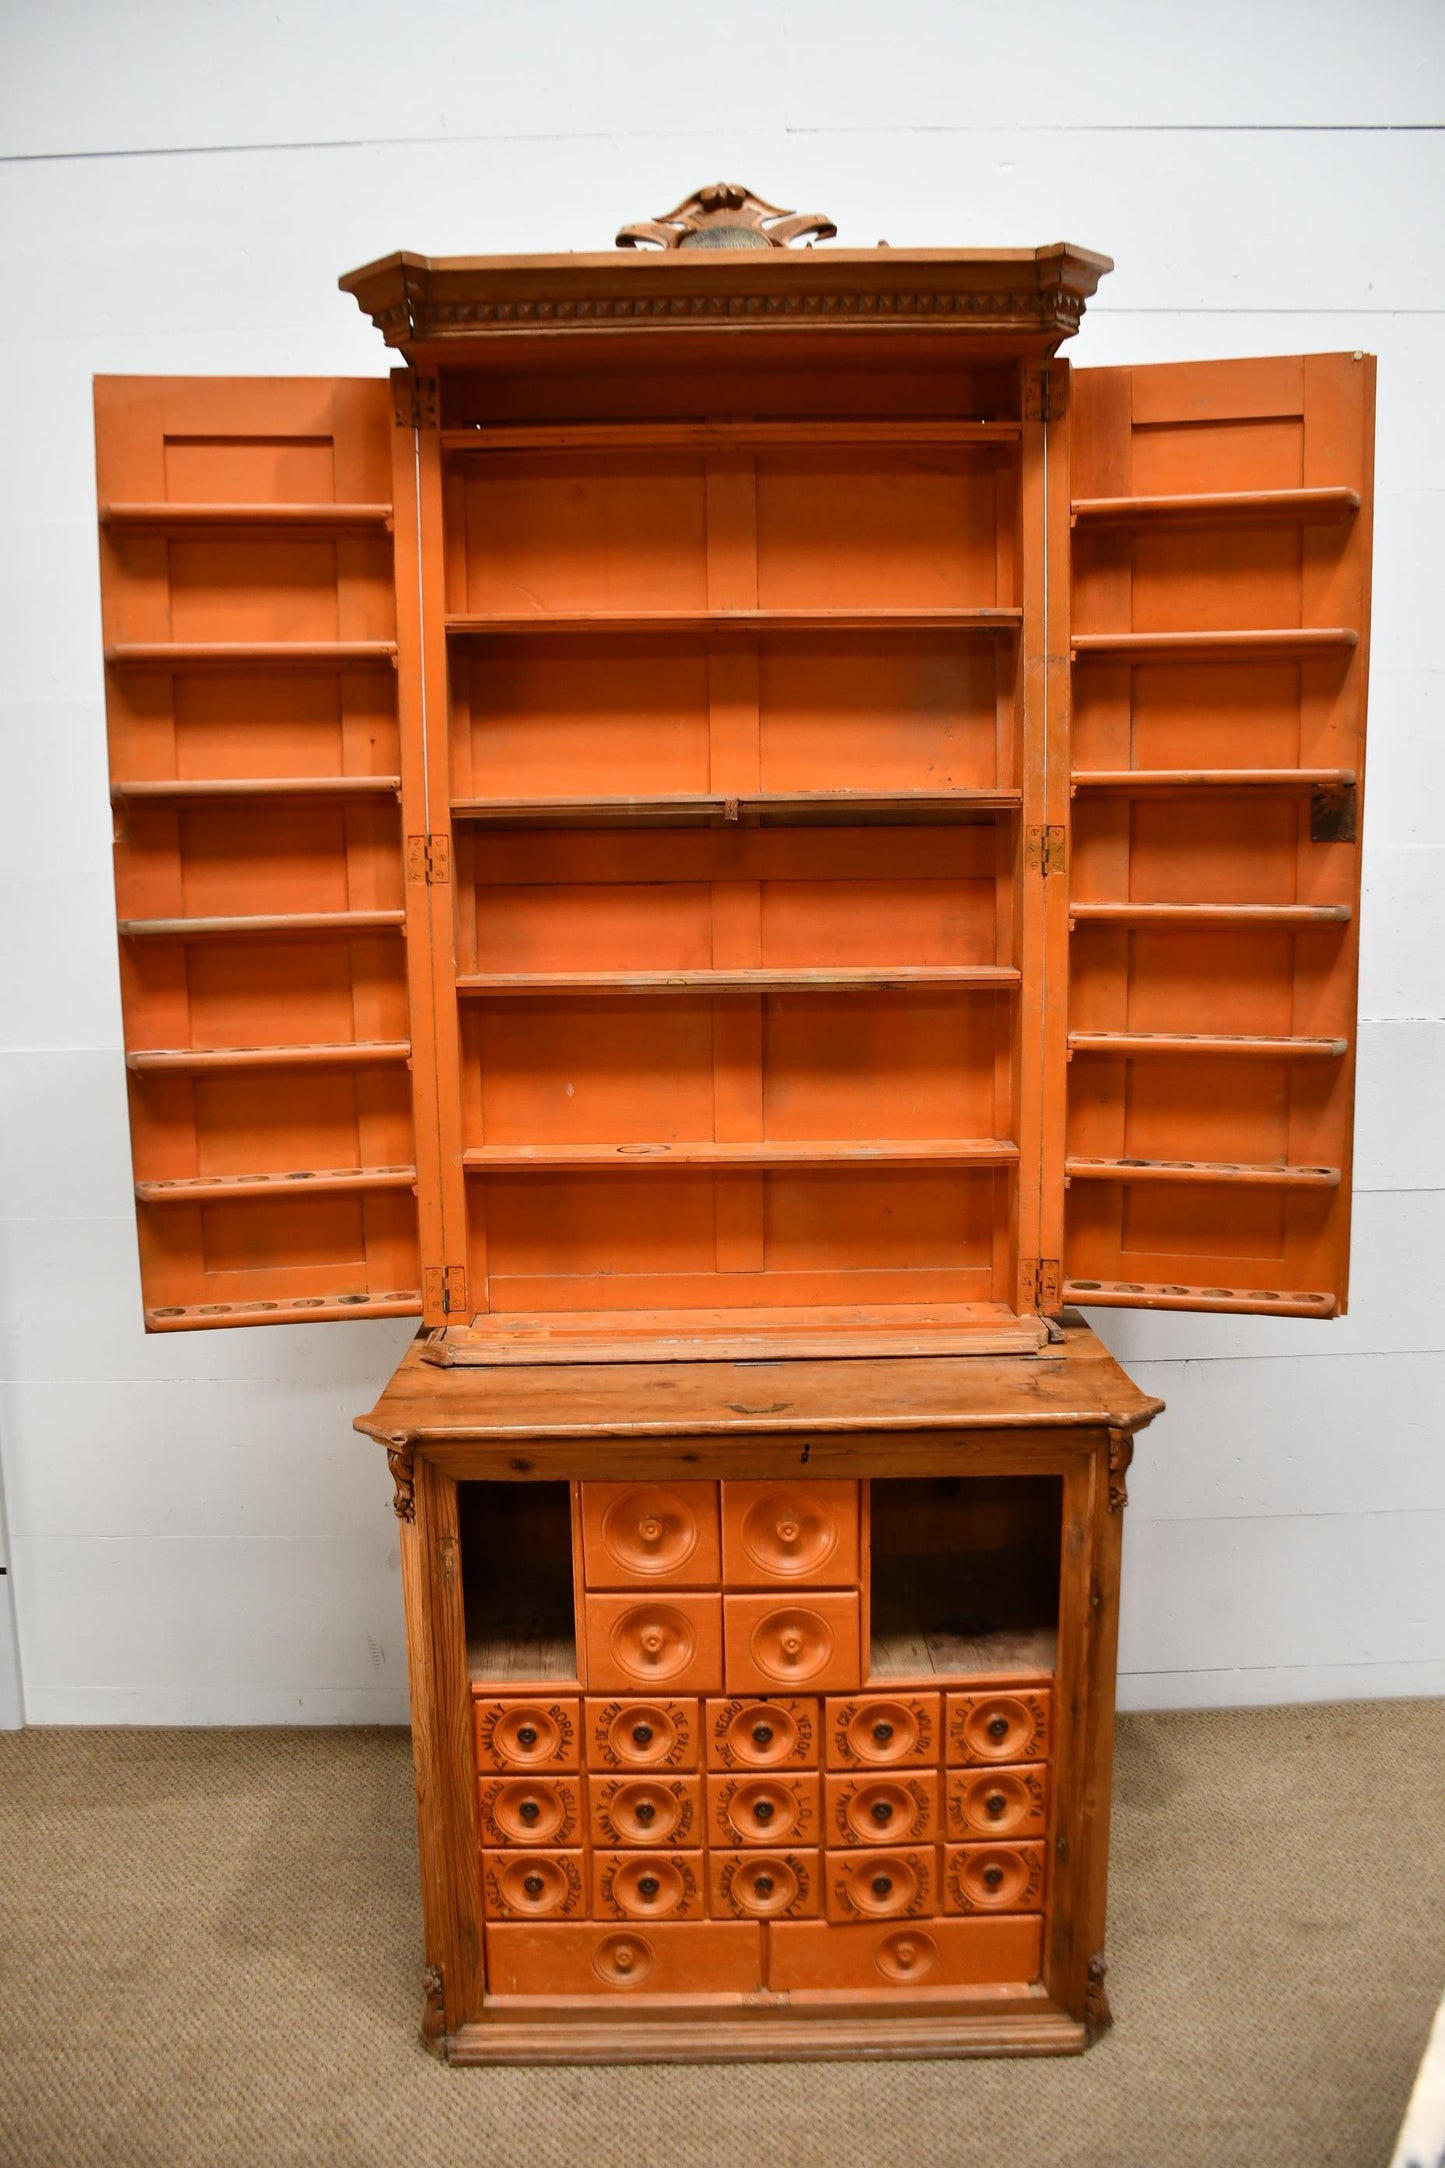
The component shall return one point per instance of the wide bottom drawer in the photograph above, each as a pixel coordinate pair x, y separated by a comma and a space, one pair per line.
702, 1959
817, 1958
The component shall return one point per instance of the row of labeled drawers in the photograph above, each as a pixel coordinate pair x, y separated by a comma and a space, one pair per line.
737, 1535
800, 1959
909, 1882
525, 1733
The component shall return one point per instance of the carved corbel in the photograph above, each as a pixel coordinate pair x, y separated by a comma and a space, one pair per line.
401, 1461
1121, 1452
1098, 2017
433, 2012
726, 215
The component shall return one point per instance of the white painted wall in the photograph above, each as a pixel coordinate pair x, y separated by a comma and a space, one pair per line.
195, 1533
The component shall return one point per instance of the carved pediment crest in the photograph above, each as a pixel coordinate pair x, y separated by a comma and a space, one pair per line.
726, 215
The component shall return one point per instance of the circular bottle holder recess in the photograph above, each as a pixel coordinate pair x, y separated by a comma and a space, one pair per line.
792, 1644
536, 1886
650, 1530
787, 1532
528, 1813
525, 1733
623, 1960
1001, 1729
880, 1813
647, 1889
763, 1887
881, 1886
761, 1735
644, 1813
763, 1810
653, 1641
642, 1734
906, 1956
990, 1878
882, 1732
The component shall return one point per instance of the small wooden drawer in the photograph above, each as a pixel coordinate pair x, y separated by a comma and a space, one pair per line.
807, 1961
772, 1809
641, 1734
531, 1810
794, 1531
534, 1733
751, 1734
882, 1731
802, 1641
628, 1811
647, 1886
881, 1885
997, 1802
1007, 1726
533, 1886
900, 1809
650, 1535
993, 1877
697, 1958
654, 1644
766, 1885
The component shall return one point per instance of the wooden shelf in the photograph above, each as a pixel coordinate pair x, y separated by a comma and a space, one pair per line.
280, 922
219, 1188
1235, 1046
1164, 1295
743, 1334
811, 979
650, 622
1200, 1170
201, 1060
1219, 508
932, 1152
698, 809
919, 1652
789, 435
1281, 646
284, 518
1211, 914
299, 1310
1143, 782
251, 654
263, 789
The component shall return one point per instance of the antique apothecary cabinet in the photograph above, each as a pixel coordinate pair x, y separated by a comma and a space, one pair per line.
736, 839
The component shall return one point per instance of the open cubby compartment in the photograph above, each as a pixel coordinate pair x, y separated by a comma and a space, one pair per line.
963, 1576
519, 1582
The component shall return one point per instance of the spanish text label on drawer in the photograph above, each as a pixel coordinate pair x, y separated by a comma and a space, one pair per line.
642, 1733
528, 1733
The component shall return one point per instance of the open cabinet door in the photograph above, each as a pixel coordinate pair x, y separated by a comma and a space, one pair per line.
256, 772
1220, 617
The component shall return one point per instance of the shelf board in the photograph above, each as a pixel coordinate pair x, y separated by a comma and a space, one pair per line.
280, 922
702, 809
1164, 1295
300, 1309
263, 789
224, 1188
648, 622
789, 435
284, 518
1211, 914
1278, 646
1142, 782
744, 1334
1219, 508
201, 1060
251, 654
847, 1152
1200, 1170
1235, 1046
928, 1653
810, 979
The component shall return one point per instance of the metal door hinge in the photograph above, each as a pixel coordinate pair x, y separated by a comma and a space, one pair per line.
429, 859
1046, 850
414, 399
446, 1289
1045, 394
1039, 1282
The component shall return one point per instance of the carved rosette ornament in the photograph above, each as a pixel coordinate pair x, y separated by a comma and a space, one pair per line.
399, 1460
1098, 2017
726, 215
433, 2011
1121, 1452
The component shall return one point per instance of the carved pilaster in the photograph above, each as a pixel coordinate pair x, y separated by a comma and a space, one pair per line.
1121, 1452
433, 2012
1098, 2017
399, 1458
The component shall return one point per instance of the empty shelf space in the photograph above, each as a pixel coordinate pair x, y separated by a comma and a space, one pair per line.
1201, 1170
283, 518
1236, 1046
681, 435
1280, 646
1160, 1295
809, 979
516, 1561
698, 809
937, 1152
251, 654
280, 922
591, 622
909, 1650
210, 790
310, 1309
1211, 914
1142, 782
200, 1060
213, 1188
1219, 508
963, 1576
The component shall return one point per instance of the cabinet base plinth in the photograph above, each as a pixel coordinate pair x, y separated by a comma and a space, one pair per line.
867, 2034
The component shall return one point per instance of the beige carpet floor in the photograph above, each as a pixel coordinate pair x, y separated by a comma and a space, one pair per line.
209, 1955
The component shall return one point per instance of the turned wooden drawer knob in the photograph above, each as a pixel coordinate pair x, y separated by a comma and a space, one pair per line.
533, 1885
762, 1735
763, 1884
646, 1811
529, 1810
763, 1811
642, 1734
882, 1884
883, 1731
790, 1641
788, 1531
653, 1639
649, 1528
881, 1811
992, 1877
647, 1885
623, 1958
527, 1735
904, 1954
995, 1803
998, 1727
